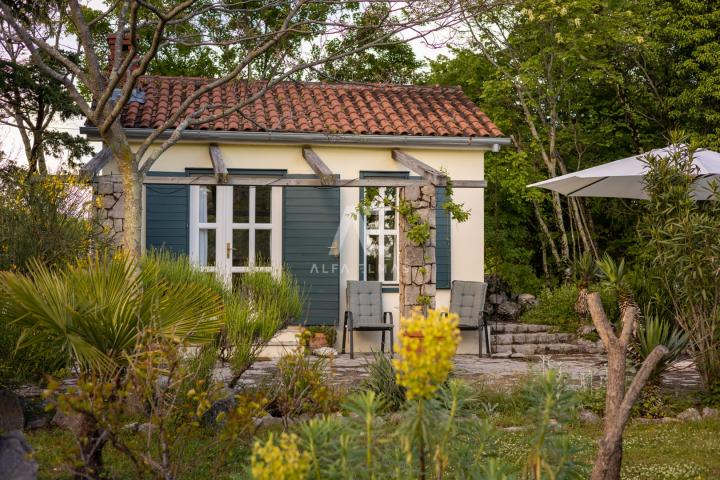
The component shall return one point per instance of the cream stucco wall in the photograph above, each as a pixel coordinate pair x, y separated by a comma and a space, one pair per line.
467, 239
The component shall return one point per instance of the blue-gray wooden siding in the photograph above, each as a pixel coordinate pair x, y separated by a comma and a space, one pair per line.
311, 217
442, 241
166, 217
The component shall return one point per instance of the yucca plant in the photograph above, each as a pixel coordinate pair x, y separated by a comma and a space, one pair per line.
656, 331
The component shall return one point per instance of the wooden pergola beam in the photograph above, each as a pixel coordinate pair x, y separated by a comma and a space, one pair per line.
432, 175
326, 176
218, 163
278, 181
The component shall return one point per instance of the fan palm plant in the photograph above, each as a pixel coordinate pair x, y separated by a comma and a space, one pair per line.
96, 312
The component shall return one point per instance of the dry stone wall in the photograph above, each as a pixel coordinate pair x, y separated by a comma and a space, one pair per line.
417, 262
109, 204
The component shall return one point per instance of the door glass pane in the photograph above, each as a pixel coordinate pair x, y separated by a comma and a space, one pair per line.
389, 196
262, 248
389, 258
241, 247
390, 219
206, 255
263, 201
241, 204
371, 267
207, 204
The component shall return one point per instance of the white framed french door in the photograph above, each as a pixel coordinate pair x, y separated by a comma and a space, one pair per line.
235, 229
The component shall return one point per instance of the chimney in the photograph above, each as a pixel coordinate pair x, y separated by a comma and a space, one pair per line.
111, 39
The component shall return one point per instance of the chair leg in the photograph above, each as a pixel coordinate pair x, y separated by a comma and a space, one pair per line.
352, 346
487, 339
344, 332
392, 342
382, 341
480, 341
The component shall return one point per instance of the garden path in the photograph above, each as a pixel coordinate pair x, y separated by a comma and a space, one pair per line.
582, 370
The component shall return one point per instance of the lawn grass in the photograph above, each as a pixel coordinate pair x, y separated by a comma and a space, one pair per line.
671, 451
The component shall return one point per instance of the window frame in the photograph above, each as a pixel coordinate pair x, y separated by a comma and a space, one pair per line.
382, 232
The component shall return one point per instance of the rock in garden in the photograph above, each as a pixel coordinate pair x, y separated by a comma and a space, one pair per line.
527, 300
586, 416
708, 412
690, 415
497, 298
268, 421
209, 418
509, 311
488, 309
15, 457
327, 352
586, 330
11, 412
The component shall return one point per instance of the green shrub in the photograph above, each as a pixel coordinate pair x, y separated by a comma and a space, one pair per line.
44, 218
557, 308
521, 278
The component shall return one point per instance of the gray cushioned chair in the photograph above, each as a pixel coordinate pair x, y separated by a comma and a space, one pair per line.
467, 299
364, 313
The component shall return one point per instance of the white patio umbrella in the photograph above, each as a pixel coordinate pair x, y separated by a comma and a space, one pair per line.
624, 178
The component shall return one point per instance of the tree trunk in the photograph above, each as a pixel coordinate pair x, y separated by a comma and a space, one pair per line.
618, 403
132, 223
132, 189
92, 441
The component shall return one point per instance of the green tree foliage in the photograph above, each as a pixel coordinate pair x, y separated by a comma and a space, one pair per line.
576, 84
687, 65
31, 101
391, 62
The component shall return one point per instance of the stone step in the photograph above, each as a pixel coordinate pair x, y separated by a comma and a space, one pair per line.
507, 327
539, 348
532, 338
283, 343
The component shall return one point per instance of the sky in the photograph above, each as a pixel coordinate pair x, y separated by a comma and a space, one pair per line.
12, 143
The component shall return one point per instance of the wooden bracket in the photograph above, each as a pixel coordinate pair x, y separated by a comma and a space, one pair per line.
326, 176
219, 167
96, 163
432, 175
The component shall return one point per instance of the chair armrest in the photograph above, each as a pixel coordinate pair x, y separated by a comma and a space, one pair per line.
387, 314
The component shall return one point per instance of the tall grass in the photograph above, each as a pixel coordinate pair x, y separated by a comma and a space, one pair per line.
255, 309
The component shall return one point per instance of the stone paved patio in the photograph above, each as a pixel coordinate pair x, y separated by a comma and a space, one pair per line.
582, 370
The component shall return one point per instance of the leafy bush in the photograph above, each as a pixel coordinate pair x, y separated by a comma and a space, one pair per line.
682, 251
521, 277
44, 218
300, 386
557, 308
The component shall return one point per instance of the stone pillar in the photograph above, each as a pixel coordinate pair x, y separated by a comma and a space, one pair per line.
109, 203
417, 263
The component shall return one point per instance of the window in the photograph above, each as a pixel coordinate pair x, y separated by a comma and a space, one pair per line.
380, 242
231, 229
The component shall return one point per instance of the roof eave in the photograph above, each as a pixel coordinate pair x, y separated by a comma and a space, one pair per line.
386, 141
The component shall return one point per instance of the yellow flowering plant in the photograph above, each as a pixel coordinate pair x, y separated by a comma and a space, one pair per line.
281, 460
425, 352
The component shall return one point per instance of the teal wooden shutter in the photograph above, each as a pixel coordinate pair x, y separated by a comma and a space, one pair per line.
311, 217
442, 241
166, 217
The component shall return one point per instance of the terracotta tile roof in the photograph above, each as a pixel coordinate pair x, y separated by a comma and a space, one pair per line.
297, 107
